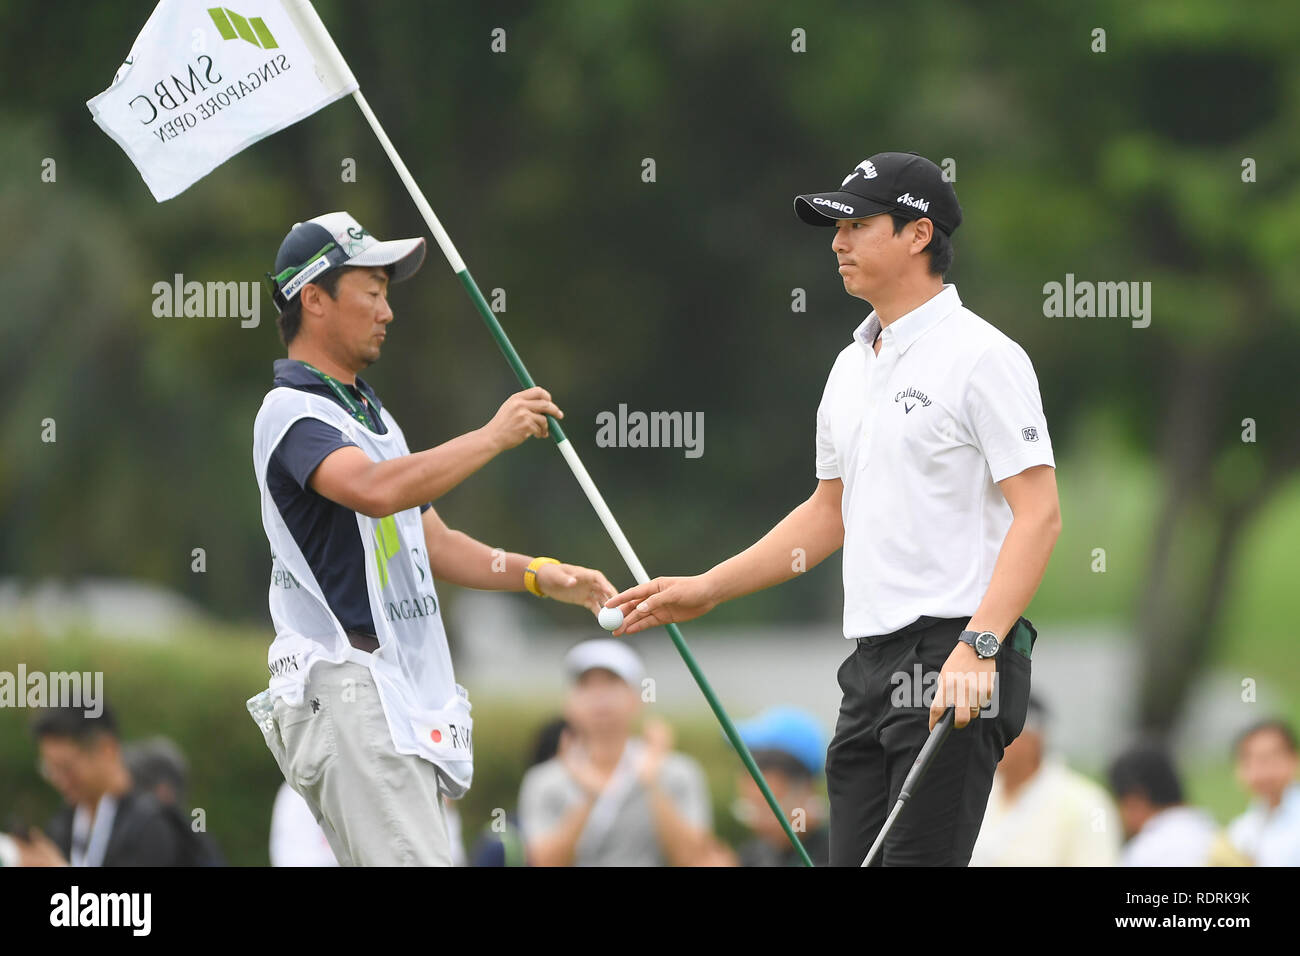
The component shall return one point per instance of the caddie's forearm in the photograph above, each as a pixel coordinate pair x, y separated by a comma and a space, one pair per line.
460, 559
1017, 573
422, 476
802, 539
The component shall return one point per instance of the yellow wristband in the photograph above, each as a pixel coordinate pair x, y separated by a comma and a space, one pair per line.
530, 574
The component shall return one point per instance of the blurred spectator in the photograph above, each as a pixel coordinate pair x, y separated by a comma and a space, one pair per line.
790, 749
607, 798
716, 853
107, 820
1042, 813
501, 843
1161, 830
296, 837
158, 766
1269, 831
10, 854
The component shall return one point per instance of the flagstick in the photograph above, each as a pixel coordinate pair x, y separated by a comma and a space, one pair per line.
575, 465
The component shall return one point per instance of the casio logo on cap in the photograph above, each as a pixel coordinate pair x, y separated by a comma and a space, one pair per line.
842, 207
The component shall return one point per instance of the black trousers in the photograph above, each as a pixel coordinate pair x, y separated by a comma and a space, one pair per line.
884, 720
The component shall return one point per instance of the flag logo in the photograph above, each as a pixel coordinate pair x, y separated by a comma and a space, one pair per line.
179, 108
232, 26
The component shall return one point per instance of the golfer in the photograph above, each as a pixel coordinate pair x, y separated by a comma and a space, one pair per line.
935, 474
363, 713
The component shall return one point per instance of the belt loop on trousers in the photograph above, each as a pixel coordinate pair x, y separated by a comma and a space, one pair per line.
920, 624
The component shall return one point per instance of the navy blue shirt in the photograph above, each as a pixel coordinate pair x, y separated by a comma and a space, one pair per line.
325, 531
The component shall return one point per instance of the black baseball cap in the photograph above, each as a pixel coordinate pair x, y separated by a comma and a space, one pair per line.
903, 183
335, 239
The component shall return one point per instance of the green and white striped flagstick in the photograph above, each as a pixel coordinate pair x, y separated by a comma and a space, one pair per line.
575, 464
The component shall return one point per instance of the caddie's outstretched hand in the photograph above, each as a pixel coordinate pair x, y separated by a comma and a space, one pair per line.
663, 601
573, 584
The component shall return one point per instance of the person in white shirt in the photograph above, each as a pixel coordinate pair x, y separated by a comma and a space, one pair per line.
296, 838
610, 797
936, 476
1042, 813
1161, 830
1269, 831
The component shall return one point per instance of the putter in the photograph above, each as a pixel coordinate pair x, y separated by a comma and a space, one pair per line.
913, 779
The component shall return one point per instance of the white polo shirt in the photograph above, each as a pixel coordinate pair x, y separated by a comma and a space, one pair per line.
920, 434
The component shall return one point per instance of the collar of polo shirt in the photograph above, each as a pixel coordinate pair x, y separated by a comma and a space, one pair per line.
907, 328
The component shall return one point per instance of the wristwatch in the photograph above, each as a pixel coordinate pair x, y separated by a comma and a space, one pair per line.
986, 643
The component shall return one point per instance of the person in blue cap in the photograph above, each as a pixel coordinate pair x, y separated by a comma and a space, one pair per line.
789, 747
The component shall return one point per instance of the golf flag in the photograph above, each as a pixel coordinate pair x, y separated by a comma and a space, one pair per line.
203, 83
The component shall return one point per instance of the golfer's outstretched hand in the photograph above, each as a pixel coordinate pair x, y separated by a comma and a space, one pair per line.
574, 585
663, 601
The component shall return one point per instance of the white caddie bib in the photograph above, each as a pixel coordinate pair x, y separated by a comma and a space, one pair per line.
426, 710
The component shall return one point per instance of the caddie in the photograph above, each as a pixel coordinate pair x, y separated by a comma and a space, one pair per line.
363, 713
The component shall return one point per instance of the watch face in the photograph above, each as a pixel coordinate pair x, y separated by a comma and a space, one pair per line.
986, 644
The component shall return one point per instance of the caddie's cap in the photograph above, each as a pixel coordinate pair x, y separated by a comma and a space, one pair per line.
335, 239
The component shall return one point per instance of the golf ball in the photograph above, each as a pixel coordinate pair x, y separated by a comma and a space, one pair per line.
610, 618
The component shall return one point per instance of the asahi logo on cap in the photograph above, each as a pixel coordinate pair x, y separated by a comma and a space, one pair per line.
907, 199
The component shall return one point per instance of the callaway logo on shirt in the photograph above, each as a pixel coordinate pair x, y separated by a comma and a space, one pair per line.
913, 394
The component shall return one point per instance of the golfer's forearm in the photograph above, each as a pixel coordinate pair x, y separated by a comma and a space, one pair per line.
459, 559
1018, 572
803, 539
680, 841
410, 481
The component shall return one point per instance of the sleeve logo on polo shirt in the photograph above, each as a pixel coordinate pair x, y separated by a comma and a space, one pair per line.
1029, 434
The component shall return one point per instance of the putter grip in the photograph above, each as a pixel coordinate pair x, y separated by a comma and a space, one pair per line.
926, 756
